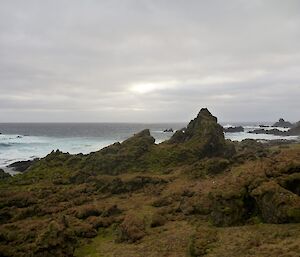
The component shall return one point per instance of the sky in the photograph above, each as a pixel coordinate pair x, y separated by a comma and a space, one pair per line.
149, 60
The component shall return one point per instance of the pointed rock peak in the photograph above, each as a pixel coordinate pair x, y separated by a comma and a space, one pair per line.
201, 129
282, 123
143, 133
143, 136
205, 113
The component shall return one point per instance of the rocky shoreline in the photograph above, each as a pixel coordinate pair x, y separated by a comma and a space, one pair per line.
137, 198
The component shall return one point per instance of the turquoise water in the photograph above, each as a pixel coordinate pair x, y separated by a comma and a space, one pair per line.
21, 141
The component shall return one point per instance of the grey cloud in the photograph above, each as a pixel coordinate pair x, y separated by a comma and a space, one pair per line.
79, 60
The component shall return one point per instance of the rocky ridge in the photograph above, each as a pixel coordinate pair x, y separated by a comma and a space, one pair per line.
137, 198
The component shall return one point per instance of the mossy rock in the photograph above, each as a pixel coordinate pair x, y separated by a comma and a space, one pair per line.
277, 204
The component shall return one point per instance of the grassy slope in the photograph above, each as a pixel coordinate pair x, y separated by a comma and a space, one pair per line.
155, 202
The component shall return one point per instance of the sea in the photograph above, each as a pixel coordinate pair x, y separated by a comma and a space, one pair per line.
24, 141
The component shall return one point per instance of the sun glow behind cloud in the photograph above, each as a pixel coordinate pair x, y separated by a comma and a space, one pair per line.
148, 87
148, 60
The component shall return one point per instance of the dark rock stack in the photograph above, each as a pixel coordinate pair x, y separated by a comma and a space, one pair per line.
276, 132
169, 130
22, 166
234, 129
282, 124
202, 134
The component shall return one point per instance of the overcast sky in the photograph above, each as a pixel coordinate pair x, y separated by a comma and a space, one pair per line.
149, 60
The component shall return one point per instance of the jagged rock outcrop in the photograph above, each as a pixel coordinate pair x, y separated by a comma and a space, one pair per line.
202, 138
282, 124
294, 131
22, 166
203, 134
112, 160
276, 132
272, 196
169, 130
121, 157
234, 129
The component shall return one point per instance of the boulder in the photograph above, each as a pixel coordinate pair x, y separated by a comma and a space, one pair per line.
230, 207
277, 204
272, 197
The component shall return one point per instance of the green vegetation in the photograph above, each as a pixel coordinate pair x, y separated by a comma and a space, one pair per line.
193, 195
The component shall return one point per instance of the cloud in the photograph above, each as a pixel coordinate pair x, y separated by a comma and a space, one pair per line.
138, 60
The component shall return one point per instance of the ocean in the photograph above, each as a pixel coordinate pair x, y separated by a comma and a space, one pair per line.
24, 141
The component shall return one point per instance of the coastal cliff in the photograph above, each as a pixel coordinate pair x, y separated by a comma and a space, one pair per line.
195, 194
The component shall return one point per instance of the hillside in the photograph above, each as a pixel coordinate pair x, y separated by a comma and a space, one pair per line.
196, 194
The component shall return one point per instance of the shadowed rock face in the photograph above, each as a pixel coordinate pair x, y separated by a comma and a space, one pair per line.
273, 196
282, 123
234, 129
22, 166
121, 157
202, 133
200, 127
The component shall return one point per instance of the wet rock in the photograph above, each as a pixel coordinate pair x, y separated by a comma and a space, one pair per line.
276, 132
22, 166
234, 129
282, 124
169, 130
